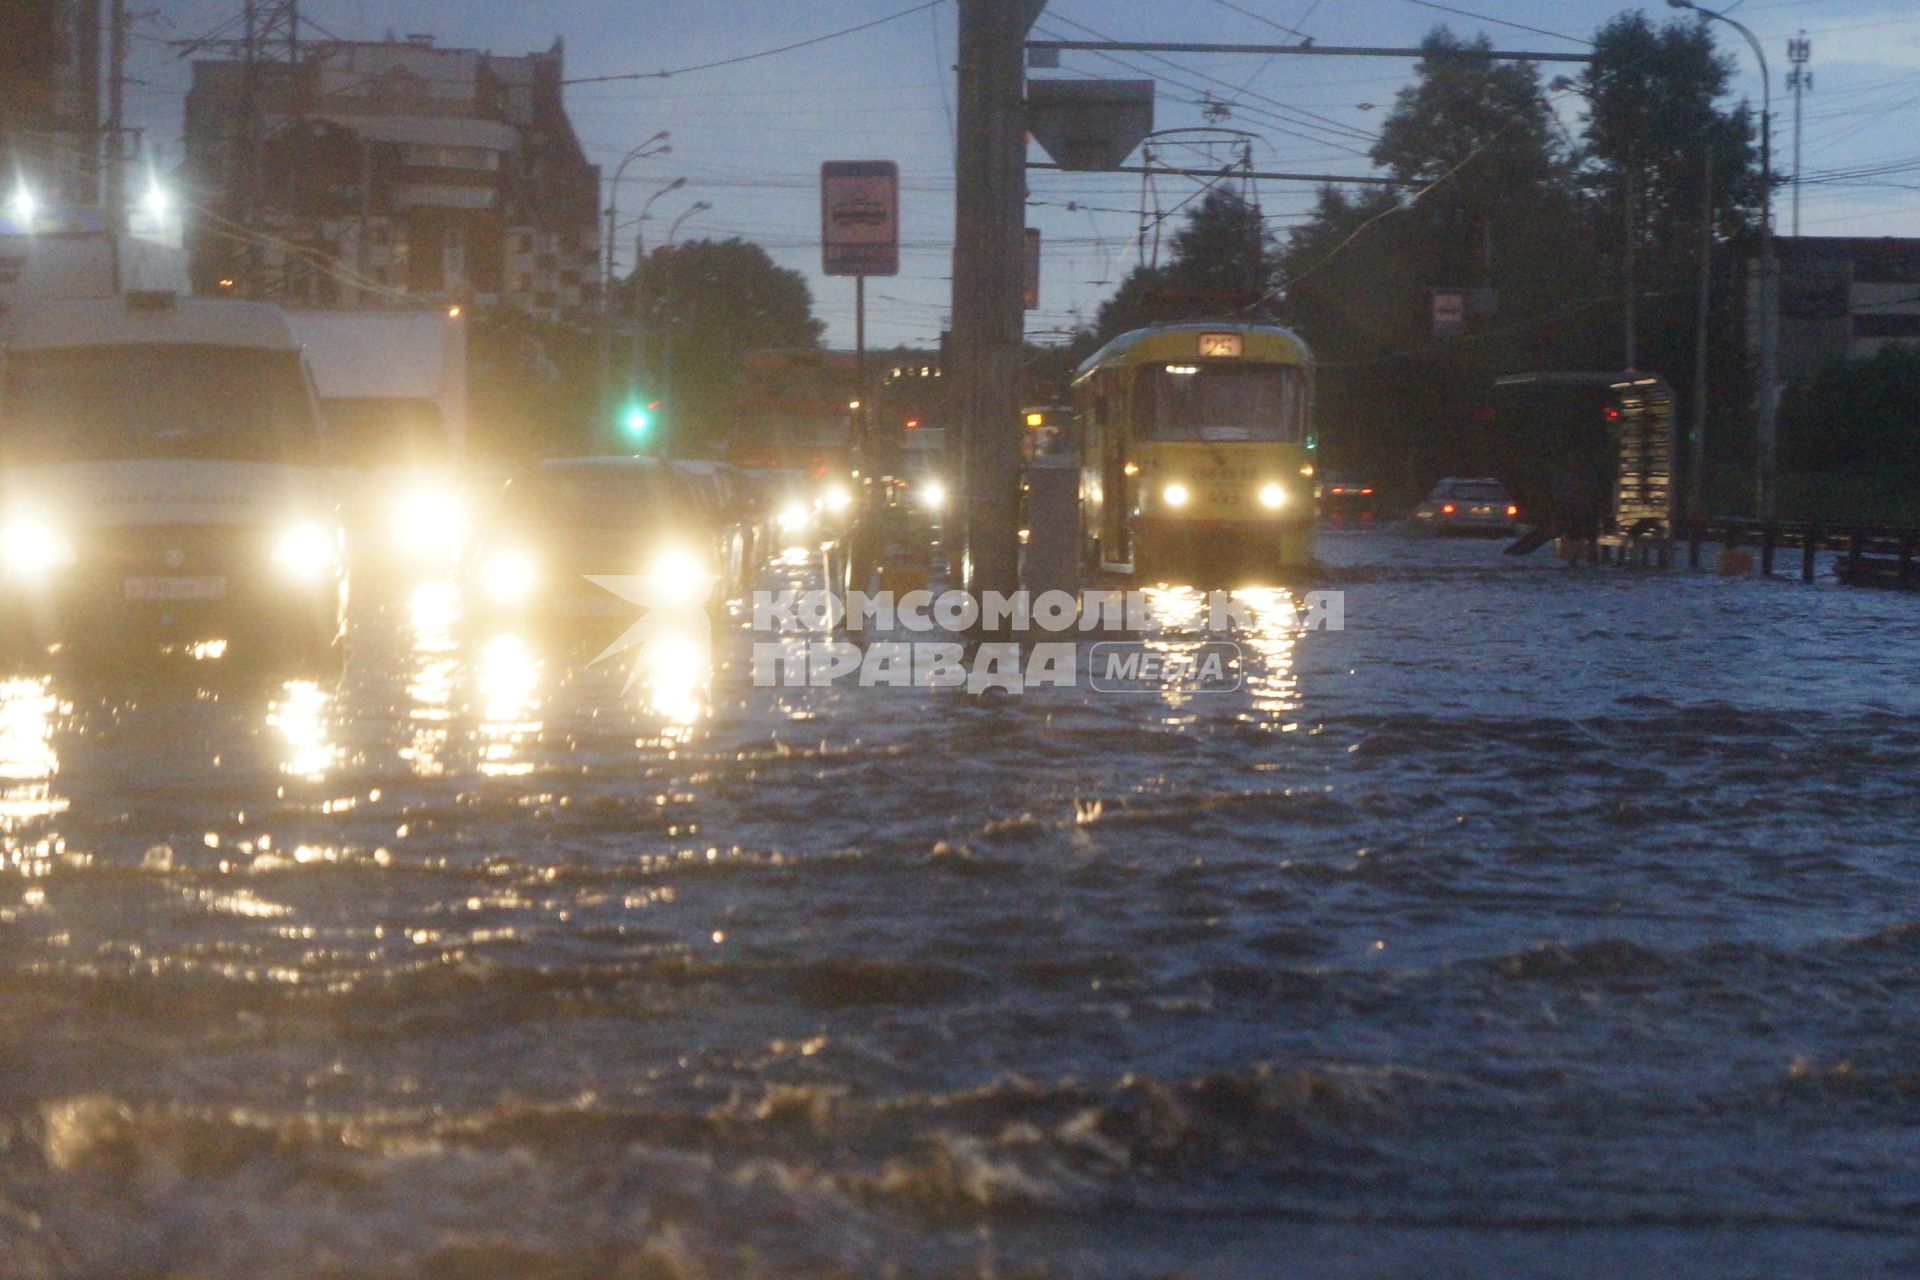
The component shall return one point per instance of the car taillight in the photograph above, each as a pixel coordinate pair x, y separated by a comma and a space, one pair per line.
1447, 509
1513, 511
1365, 492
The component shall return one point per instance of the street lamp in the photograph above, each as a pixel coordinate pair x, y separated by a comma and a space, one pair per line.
696, 207
666, 347
1766, 407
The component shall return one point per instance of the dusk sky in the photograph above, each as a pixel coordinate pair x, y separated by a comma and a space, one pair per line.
750, 137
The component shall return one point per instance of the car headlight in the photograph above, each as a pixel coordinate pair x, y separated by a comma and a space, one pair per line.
429, 522
933, 495
1175, 495
678, 579
795, 517
305, 550
509, 576
30, 547
1272, 497
837, 499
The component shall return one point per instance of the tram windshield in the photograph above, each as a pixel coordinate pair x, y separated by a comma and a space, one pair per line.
1221, 402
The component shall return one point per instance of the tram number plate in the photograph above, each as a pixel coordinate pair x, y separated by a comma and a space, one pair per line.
1224, 497
176, 588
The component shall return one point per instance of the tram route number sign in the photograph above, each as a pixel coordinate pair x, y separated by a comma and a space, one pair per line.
860, 217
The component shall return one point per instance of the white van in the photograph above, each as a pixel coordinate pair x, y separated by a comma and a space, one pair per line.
161, 480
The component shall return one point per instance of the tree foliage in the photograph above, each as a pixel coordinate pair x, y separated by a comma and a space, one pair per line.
706, 303
1861, 414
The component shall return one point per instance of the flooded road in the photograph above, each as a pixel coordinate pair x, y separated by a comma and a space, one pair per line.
1545, 923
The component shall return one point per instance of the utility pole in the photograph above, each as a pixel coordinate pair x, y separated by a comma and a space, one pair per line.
115, 192
1633, 353
1800, 81
988, 277
1697, 431
1766, 400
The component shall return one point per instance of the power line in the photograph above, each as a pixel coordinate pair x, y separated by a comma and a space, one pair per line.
764, 53
1500, 22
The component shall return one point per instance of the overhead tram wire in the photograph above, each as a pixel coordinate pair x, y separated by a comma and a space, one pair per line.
1305, 119
1499, 22
1267, 119
763, 53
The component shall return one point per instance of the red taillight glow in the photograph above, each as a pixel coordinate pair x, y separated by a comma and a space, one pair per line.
1513, 511
1365, 492
1447, 509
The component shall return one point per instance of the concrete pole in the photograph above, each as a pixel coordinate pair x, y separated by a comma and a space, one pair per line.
1766, 400
988, 275
1697, 432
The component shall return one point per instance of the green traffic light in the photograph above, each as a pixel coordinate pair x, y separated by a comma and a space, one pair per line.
638, 420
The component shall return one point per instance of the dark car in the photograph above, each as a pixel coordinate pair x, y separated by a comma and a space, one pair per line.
1468, 507
1347, 499
563, 521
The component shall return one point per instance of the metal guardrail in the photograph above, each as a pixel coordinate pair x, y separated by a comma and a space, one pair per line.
1870, 555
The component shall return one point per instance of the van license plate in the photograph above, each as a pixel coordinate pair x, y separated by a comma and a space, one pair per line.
176, 588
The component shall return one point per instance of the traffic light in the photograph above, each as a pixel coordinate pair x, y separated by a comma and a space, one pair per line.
637, 419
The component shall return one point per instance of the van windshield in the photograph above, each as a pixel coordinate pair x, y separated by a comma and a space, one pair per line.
161, 400
1221, 402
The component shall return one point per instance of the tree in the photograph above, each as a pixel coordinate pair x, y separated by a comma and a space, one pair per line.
706, 303
1654, 129
1489, 206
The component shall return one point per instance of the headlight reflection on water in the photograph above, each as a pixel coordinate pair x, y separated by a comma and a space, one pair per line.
300, 714
433, 611
509, 677
28, 763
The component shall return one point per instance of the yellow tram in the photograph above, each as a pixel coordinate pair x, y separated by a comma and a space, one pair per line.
1196, 450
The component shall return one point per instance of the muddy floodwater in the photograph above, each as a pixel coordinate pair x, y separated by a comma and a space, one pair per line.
1539, 923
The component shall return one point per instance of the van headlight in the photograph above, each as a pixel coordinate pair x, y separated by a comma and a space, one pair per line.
31, 548
305, 550
1175, 495
429, 522
509, 576
678, 579
837, 499
1272, 497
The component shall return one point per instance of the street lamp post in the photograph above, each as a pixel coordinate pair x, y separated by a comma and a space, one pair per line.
637, 312
654, 146
1766, 404
666, 348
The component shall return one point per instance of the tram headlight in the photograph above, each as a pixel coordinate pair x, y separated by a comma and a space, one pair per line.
933, 496
1175, 495
1272, 497
31, 548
